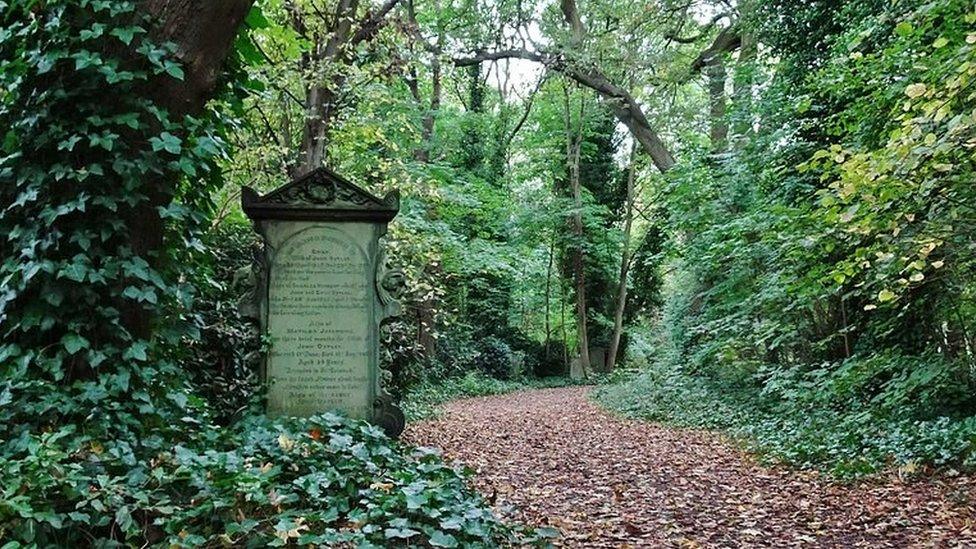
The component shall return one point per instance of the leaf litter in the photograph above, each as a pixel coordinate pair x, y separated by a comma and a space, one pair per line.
552, 458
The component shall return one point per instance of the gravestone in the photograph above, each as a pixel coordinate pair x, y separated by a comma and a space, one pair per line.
598, 359
323, 292
576, 368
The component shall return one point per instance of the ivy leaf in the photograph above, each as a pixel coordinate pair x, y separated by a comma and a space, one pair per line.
105, 140
95, 31
904, 29
136, 351
166, 142
125, 34
74, 271
440, 539
85, 59
74, 343
400, 533
69, 143
174, 70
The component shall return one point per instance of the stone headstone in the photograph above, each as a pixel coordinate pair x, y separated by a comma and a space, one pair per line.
598, 359
323, 293
576, 368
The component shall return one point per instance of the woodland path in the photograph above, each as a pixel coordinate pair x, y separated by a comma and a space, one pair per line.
551, 457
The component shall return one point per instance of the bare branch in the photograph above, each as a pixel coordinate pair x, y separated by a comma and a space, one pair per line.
673, 35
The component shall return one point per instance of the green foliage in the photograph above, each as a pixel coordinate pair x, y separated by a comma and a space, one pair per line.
495, 358
819, 301
322, 481
92, 311
224, 361
808, 422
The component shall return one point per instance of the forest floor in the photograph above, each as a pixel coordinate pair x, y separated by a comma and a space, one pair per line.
552, 458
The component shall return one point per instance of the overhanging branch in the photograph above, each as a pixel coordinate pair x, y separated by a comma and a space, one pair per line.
621, 102
727, 41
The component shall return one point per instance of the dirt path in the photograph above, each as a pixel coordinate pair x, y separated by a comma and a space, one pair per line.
551, 457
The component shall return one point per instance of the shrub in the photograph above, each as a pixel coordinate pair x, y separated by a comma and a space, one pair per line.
812, 421
223, 362
495, 358
551, 363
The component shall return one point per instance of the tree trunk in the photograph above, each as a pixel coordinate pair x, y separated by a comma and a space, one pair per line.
319, 106
719, 128
203, 34
322, 96
552, 253
577, 253
742, 92
427, 126
427, 135
618, 316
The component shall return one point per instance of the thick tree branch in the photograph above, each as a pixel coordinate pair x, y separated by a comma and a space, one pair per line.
621, 102
368, 29
728, 40
571, 14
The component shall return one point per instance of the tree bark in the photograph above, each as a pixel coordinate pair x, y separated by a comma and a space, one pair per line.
574, 141
718, 125
203, 34
618, 316
320, 97
572, 17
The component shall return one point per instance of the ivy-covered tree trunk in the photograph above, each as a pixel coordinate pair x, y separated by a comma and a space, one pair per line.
718, 126
203, 34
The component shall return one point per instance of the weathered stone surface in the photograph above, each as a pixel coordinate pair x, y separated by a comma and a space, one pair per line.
598, 359
576, 368
324, 292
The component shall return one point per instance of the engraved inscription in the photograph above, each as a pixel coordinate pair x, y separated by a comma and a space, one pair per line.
319, 306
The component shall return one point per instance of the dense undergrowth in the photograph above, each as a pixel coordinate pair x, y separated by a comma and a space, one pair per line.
320, 481
815, 427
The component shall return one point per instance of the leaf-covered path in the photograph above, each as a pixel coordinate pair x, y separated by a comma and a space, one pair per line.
551, 457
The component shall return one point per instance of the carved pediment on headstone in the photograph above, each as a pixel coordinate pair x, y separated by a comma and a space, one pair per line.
320, 195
